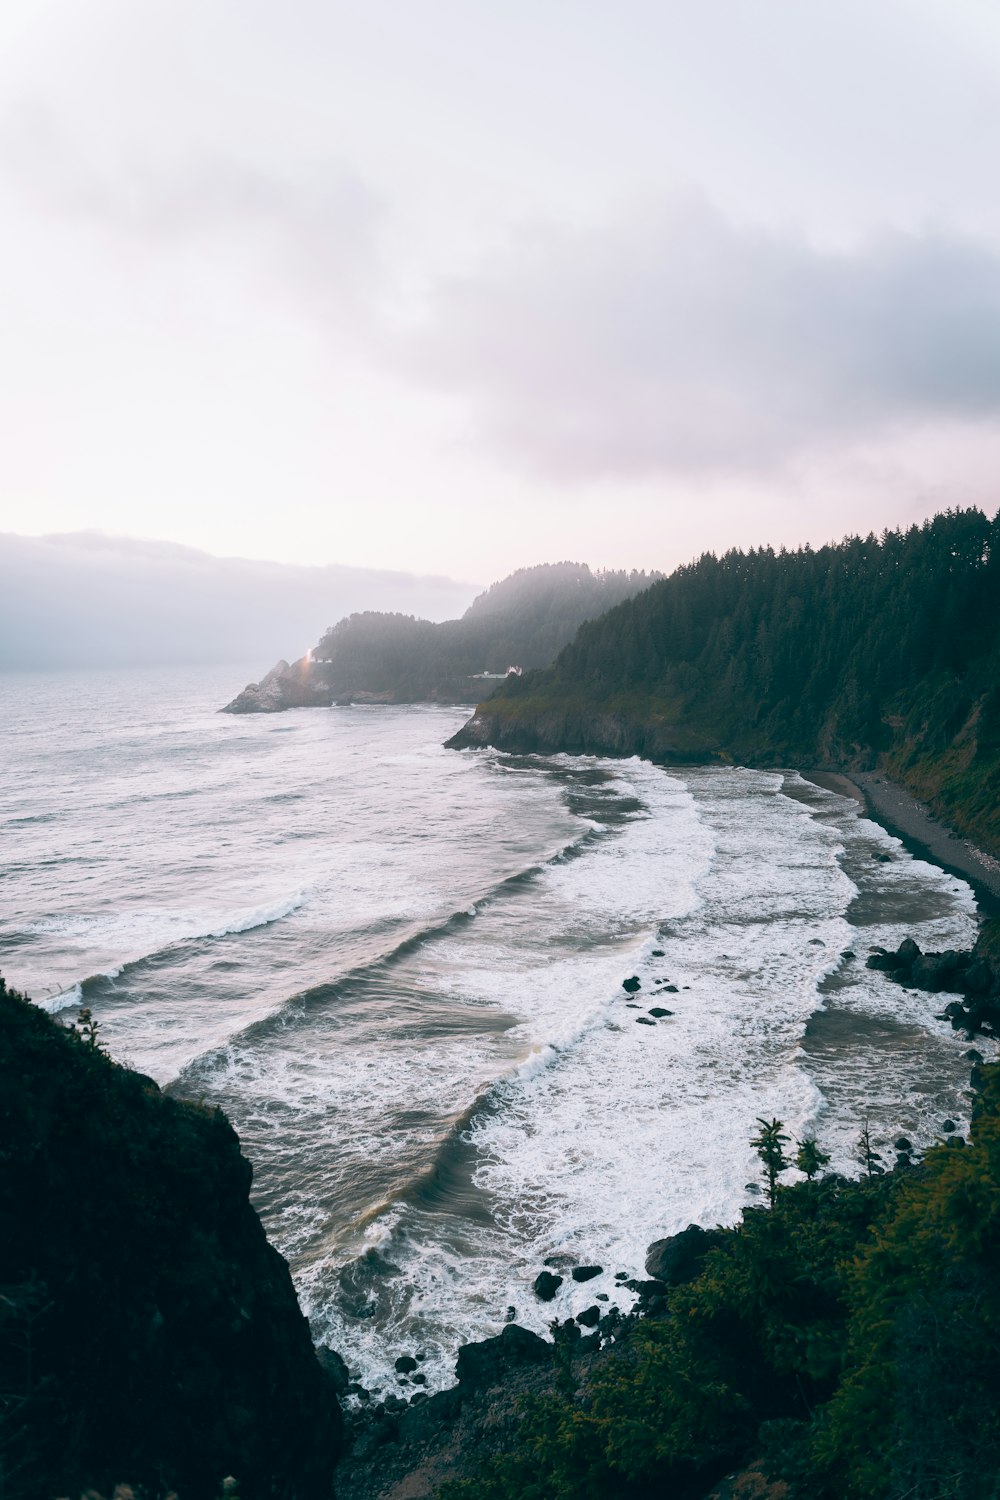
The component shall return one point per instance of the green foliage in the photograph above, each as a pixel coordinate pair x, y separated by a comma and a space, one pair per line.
877, 647
810, 1159
846, 1337
524, 620
769, 1144
866, 1154
87, 1028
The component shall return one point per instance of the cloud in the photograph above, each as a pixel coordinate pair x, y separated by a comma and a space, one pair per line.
87, 599
677, 342
316, 228
667, 343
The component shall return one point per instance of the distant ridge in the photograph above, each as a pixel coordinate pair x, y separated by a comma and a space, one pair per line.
878, 652
86, 599
522, 621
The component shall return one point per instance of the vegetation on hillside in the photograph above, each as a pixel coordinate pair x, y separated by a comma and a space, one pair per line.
845, 1338
883, 650
522, 621
148, 1331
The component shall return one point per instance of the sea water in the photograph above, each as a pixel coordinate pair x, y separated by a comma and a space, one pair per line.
399, 970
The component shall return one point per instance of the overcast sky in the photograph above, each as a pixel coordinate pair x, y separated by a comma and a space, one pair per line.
452, 287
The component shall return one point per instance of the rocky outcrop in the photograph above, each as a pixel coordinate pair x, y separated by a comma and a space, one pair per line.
523, 729
681, 1257
972, 975
301, 685
149, 1334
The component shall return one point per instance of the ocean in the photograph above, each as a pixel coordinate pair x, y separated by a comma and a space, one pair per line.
399, 970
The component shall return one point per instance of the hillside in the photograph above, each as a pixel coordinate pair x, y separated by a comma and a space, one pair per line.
393, 658
882, 652
149, 1334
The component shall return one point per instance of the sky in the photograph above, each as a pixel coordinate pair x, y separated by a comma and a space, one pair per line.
448, 287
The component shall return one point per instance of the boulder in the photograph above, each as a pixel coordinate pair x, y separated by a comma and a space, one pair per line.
590, 1317
679, 1258
404, 1364
487, 1363
978, 978
586, 1273
545, 1285
659, 1011
631, 985
644, 1021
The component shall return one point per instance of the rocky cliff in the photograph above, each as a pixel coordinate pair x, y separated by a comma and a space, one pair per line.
149, 1334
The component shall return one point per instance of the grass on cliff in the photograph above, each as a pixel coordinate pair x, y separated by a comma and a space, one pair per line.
846, 1338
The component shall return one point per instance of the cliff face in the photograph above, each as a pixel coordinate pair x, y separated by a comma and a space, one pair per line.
149, 1334
874, 653
548, 729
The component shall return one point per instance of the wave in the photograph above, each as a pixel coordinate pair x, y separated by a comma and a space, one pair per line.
231, 925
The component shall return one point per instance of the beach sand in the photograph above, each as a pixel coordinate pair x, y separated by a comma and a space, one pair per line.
924, 834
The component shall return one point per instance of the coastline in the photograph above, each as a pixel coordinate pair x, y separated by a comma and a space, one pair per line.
897, 810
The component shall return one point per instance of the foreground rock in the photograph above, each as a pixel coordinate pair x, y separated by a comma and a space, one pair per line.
975, 975
681, 1257
149, 1334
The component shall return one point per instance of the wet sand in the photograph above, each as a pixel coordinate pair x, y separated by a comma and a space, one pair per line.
922, 833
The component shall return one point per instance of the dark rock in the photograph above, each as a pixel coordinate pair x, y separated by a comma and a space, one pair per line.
631, 985
545, 1285
903, 1144
334, 1368
371, 1439
816, 943
884, 859
848, 953
424, 1418
419, 1378
973, 1056
644, 1021
590, 1317
907, 953
671, 989
404, 1364
680, 1257
659, 1010
978, 978
167, 1340
586, 1273
956, 1140
658, 953
948, 1126
486, 1363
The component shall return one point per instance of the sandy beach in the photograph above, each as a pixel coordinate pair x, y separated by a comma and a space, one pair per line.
913, 822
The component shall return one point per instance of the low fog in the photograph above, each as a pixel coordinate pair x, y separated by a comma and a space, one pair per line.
88, 600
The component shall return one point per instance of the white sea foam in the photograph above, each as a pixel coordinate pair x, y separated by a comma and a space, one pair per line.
466, 1104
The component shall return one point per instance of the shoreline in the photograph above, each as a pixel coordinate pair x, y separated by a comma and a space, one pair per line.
898, 811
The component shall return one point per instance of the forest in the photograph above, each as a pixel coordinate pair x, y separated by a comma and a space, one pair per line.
524, 620
877, 651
